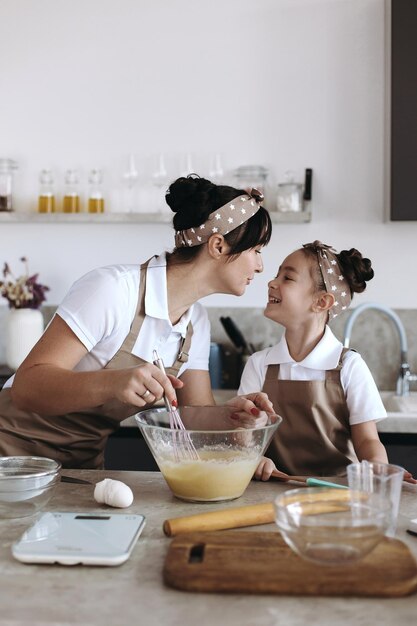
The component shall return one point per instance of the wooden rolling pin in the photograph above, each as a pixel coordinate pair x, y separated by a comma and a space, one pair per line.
220, 520
246, 515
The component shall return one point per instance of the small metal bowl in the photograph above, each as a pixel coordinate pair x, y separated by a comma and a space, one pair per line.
26, 484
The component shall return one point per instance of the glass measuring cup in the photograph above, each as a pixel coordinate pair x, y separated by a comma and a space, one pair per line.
382, 479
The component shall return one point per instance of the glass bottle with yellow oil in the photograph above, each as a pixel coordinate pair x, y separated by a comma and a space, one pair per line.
95, 193
71, 202
46, 200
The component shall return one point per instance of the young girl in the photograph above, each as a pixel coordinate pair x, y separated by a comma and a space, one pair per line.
325, 393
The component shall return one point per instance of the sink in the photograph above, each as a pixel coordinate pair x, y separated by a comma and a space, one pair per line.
400, 404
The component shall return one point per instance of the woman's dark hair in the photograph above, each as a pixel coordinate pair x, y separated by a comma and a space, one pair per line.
192, 199
356, 269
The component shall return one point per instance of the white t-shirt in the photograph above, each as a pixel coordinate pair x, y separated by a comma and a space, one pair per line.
362, 396
100, 306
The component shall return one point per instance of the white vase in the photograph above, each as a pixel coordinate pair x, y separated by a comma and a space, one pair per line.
24, 328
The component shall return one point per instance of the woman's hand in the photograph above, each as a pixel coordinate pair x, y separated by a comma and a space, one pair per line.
265, 469
408, 478
252, 410
143, 385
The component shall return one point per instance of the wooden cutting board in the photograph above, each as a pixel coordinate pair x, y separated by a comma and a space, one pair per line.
261, 562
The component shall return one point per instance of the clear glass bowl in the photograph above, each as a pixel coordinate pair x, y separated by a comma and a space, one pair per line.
331, 526
26, 484
227, 451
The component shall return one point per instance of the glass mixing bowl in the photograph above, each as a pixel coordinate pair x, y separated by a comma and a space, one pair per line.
214, 459
26, 484
331, 526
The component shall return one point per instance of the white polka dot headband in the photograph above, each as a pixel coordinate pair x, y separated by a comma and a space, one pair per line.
333, 278
222, 221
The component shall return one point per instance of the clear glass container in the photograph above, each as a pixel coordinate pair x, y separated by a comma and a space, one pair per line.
130, 187
26, 484
95, 193
216, 456
187, 165
216, 171
290, 195
46, 200
7, 167
160, 183
71, 203
248, 176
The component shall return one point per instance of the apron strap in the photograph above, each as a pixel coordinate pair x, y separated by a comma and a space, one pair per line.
183, 353
272, 372
334, 374
139, 316
125, 350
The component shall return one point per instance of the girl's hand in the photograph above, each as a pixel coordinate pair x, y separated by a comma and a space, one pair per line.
265, 469
143, 385
252, 410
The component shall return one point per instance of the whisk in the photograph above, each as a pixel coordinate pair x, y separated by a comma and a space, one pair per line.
182, 443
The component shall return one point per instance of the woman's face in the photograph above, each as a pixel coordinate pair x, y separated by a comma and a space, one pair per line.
292, 292
238, 273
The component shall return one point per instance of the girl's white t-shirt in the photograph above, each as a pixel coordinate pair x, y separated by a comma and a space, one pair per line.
100, 307
362, 395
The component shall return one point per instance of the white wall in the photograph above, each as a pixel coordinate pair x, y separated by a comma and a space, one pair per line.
286, 83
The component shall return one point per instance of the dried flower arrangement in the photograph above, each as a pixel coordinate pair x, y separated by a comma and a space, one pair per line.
23, 292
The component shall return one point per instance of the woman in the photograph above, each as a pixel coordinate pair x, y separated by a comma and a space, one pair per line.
93, 365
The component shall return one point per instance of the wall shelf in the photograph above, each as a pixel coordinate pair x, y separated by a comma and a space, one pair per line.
120, 218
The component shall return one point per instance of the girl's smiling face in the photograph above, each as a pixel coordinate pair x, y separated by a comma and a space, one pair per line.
292, 293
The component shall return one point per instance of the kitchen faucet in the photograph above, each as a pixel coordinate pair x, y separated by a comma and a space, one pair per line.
405, 377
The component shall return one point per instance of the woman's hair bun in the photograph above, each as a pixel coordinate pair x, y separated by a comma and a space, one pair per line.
193, 199
356, 269
187, 191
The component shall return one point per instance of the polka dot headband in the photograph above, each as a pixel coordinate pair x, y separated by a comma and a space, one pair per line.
333, 278
222, 221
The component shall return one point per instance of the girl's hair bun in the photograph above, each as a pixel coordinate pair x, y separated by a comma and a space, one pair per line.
356, 269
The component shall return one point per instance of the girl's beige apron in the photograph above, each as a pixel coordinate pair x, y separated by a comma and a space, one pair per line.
314, 437
78, 439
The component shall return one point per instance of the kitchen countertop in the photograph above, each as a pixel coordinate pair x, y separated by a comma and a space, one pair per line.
134, 593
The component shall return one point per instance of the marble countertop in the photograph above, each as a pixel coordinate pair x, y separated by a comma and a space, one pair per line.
134, 593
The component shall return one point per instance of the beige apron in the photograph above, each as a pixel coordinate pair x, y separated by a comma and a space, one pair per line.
314, 437
78, 439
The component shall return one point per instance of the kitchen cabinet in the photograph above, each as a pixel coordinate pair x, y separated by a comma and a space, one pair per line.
401, 449
403, 109
126, 450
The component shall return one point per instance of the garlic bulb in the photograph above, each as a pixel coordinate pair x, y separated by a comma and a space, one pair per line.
114, 493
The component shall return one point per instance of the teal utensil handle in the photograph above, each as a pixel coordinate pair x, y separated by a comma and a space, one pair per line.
316, 482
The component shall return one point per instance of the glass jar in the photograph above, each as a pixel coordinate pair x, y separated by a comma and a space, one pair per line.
216, 171
248, 176
7, 167
95, 194
71, 203
46, 200
290, 195
130, 188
